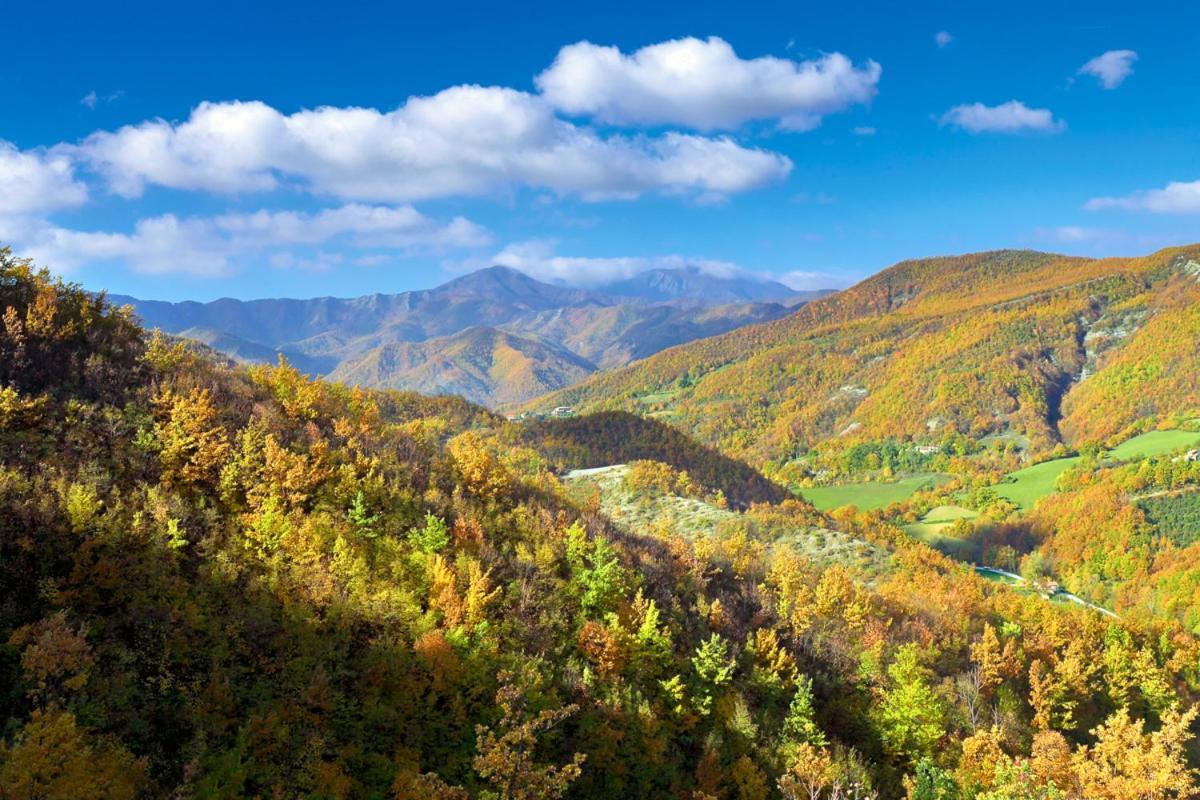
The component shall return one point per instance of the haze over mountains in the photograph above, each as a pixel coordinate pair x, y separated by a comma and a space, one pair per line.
495, 336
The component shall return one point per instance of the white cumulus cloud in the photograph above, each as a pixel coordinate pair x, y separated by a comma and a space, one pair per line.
37, 181
1011, 117
1177, 197
466, 140
1110, 68
702, 84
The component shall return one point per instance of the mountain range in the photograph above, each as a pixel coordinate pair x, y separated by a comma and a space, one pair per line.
495, 336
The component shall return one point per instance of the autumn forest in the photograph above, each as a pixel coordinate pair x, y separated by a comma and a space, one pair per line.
225, 581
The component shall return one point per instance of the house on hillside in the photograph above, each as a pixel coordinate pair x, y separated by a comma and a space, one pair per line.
1190, 455
563, 411
928, 449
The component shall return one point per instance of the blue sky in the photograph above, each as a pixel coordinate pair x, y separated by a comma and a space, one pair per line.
299, 149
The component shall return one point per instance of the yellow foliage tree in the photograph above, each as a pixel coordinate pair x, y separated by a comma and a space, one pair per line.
1126, 763
481, 473
54, 759
195, 446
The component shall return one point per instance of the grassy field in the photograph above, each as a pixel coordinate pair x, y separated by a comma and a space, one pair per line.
869, 496
997, 577
1033, 483
931, 529
938, 519
1154, 443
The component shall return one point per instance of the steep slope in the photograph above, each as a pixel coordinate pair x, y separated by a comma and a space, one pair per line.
1141, 373
615, 335
484, 365
989, 343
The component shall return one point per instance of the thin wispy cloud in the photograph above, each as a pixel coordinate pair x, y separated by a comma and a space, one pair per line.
1177, 197
540, 259
1111, 68
1076, 234
93, 98
809, 280
942, 38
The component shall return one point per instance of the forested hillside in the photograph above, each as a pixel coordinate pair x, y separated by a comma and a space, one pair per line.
1045, 348
236, 582
616, 437
484, 365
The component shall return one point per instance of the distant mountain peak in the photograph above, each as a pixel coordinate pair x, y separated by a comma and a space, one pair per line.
498, 281
691, 283
497, 273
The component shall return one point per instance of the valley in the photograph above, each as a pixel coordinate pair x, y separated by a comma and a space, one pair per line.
975, 402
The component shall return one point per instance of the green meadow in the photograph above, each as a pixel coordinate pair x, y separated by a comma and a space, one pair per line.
1154, 443
1028, 485
1031, 484
869, 496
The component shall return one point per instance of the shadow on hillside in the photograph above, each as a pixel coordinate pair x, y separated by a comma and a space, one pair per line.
618, 437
